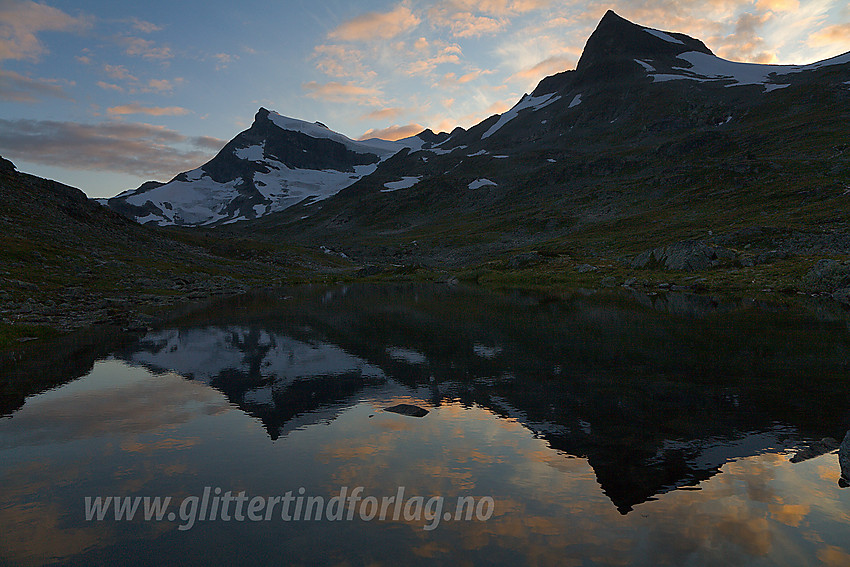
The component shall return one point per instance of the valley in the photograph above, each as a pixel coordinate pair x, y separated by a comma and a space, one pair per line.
654, 165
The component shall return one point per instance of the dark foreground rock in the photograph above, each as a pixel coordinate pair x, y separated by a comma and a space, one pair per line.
829, 275
408, 409
816, 449
844, 457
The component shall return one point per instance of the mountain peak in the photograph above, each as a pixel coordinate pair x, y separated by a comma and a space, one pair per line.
616, 40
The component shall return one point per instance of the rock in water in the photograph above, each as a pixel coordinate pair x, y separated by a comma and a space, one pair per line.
408, 409
844, 457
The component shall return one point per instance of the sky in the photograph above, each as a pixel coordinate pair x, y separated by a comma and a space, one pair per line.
104, 95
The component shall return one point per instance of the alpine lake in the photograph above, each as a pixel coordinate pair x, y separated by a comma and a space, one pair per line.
513, 428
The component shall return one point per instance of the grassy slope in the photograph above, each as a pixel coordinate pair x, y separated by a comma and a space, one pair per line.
66, 262
657, 173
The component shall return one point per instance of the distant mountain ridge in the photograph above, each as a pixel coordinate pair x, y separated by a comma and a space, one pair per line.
277, 162
624, 73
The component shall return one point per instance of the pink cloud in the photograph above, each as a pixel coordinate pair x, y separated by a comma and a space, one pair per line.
135, 108
21, 21
342, 92
837, 35
377, 25
548, 66
384, 114
146, 48
20, 88
393, 132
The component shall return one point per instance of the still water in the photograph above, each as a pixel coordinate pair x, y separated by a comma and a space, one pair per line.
618, 429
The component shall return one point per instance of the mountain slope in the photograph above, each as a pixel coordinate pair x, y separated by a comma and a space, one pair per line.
651, 140
67, 262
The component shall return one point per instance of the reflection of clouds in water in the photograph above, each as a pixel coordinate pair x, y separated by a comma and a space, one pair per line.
126, 411
833, 556
549, 509
145, 404
34, 534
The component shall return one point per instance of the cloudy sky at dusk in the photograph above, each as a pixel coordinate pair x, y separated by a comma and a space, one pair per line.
104, 95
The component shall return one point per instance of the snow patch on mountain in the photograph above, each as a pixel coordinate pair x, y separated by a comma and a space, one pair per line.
285, 186
403, 183
576, 101
479, 183
193, 175
251, 153
201, 197
704, 67
661, 35
649, 68
198, 202
533, 102
381, 148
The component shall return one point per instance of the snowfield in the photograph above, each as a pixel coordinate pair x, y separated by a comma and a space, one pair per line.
196, 199
404, 183
533, 102
704, 67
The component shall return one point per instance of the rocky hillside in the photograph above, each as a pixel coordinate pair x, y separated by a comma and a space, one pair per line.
68, 262
651, 142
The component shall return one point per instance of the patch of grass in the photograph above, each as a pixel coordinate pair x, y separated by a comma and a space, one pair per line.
12, 335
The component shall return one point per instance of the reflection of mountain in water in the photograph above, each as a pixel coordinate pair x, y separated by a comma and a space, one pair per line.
654, 401
284, 382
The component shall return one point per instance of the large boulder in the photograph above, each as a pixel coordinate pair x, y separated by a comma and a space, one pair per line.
828, 275
844, 457
687, 256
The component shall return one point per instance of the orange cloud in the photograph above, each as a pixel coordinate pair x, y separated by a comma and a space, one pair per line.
161, 85
146, 48
342, 92
549, 66
341, 61
498, 107
119, 72
745, 44
466, 24
838, 35
384, 114
135, 108
778, 5
377, 25
474, 18
109, 86
223, 60
145, 27
493, 7
393, 132
449, 54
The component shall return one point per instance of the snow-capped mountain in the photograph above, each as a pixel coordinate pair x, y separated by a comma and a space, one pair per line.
634, 88
277, 162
